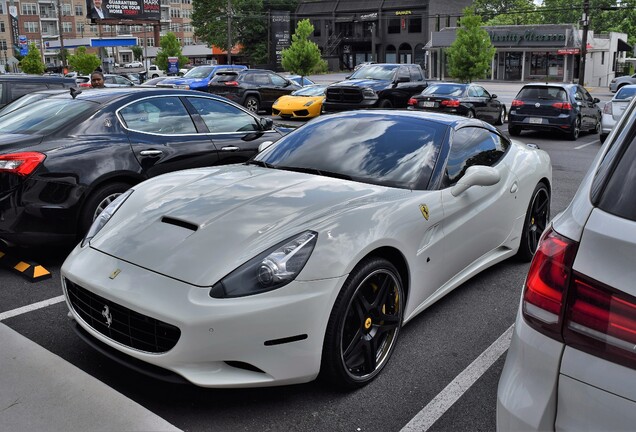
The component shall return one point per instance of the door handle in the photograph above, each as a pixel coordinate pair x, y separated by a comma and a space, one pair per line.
514, 188
151, 152
230, 148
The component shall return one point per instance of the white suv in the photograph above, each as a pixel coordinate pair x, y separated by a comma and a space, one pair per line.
154, 72
572, 360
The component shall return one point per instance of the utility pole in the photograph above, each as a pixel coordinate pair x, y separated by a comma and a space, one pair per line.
372, 41
586, 22
59, 23
229, 32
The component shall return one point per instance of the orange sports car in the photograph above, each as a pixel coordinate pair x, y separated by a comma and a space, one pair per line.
302, 103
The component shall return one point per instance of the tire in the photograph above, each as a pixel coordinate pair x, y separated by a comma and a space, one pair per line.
385, 104
155, 76
597, 128
536, 220
603, 137
470, 114
252, 104
502, 116
573, 135
364, 324
98, 201
514, 130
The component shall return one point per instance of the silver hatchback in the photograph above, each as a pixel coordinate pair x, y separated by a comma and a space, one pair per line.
572, 360
614, 109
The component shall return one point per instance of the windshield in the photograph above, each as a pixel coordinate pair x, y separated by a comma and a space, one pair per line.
314, 90
378, 72
24, 100
445, 90
388, 150
544, 93
44, 116
199, 72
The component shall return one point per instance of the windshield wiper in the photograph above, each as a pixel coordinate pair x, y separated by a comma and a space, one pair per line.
258, 163
315, 171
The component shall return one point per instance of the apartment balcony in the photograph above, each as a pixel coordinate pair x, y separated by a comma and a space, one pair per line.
48, 16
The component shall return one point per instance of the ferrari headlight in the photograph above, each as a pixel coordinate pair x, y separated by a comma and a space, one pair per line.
310, 103
368, 93
105, 216
272, 269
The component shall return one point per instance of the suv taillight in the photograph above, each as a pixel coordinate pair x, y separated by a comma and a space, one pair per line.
547, 282
601, 321
21, 164
231, 83
516, 103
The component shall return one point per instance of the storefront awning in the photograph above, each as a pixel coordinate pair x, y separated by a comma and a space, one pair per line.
624, 46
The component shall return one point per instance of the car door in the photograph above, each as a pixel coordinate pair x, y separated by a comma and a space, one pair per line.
479, 220
164, 137
590, 112
235, 132
490, 106
477, 101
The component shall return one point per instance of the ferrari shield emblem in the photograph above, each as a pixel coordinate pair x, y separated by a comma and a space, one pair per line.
424, 210
114, 274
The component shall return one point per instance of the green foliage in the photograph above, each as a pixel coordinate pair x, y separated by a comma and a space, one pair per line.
66, 54
82, 62
32, 63
303, 55
170, 47
138, 52
469, 57
507, 12
321, 68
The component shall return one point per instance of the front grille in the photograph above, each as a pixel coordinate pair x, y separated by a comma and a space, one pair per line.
301, 113
127, 327
344, 95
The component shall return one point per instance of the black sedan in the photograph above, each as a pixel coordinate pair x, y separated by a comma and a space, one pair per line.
64, 158
468, 100
567, 108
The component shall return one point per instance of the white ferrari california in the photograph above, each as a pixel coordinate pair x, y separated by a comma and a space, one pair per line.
309, 258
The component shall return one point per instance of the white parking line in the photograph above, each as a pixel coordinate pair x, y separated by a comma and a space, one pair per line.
460, 385
584, 145
31, 307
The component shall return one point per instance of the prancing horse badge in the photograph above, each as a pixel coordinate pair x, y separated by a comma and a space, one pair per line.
114, 274
424, 210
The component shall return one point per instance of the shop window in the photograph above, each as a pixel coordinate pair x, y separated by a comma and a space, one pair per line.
316, 25
415, 25
394, 26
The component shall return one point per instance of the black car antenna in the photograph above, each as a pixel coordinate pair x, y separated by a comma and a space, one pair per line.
74, 92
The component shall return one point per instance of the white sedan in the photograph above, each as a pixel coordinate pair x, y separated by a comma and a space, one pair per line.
309, 258
135, 64
613, 110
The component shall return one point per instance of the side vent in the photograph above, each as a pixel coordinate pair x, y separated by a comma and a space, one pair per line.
180, 223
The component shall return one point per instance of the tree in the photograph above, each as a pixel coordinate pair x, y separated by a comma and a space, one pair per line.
470, 55
138, 52
170, 47
507, 12
303, 55
82, 62
32, 63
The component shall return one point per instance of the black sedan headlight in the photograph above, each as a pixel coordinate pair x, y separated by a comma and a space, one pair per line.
272, 269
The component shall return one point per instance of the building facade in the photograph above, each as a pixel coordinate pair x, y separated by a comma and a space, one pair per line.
350, 32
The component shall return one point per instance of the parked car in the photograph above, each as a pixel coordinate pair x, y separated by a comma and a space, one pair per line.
155, 72
134, 64
616, 83
198, 77
110, 80
135, 78
153, 81
571, 364
63, 159
255, 89
300, 80
359, 65
13, 86
322, 246
468, 100
30, 98
567, 108
381, 85
613, 110
302, 103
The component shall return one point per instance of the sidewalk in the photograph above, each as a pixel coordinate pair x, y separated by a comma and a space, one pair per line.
42, 392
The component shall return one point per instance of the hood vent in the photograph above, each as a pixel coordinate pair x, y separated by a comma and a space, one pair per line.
179, 223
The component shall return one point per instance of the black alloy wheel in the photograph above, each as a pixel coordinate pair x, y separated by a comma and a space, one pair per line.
537, 217
98, 201
364, 324
385, 104
575, 130
502, 116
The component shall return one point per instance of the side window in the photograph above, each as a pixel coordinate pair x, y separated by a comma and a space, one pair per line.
473, 146
165, 116
249, 78
586, 95
278, 81
109, 80
403, 72
221, 117
472, 91
481, 92
416, 73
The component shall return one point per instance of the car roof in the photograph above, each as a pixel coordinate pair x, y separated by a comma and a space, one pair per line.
37, 78
556, 85
105, 95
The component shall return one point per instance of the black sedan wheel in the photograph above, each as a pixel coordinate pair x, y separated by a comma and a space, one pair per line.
502, 116
364, 324
537, 218
470, 114
98, 201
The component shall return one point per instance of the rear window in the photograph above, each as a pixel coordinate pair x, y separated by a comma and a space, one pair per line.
44, 116
224, 76
626, 92
444, 90
543, 93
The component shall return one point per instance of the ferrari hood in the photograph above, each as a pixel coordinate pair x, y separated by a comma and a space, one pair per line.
199, 225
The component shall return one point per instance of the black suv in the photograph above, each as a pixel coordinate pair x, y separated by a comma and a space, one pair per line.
567, 108
15, 86
255, 89
382, 85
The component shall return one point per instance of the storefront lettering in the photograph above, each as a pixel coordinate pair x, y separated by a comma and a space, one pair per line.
528, 36
404, 12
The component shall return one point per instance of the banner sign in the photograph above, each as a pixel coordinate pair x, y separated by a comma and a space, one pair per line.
142, 10
173, 65
281, 37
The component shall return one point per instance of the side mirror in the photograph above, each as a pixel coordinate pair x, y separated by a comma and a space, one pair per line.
493, 96
262, 146
266, 123
476, 175
596, 100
